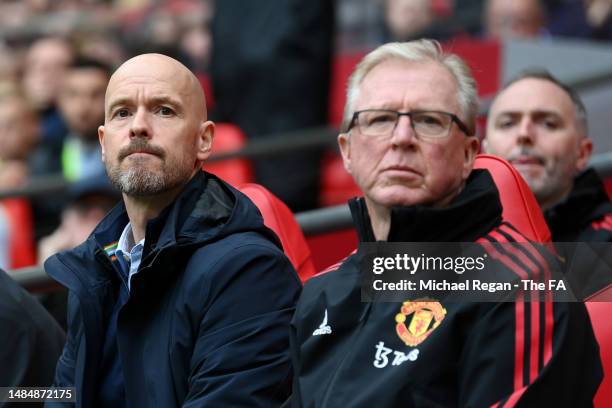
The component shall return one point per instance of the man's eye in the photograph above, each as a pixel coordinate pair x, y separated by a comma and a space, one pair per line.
166, 111
551, 124
379, 118
504, 123
122, 113
428, 119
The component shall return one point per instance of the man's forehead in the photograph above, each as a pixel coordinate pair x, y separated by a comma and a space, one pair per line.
533, 95
151, 86
429, 82
153, 69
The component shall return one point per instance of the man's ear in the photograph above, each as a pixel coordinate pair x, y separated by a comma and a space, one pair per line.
101, 139
206, 134
344, 143
585, 150
471, 146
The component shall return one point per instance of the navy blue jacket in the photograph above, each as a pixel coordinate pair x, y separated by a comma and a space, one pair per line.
31, 341
207, 320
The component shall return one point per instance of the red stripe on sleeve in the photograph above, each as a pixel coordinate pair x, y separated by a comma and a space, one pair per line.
515, 397
604, 223
549, 319
534, 340
519, 309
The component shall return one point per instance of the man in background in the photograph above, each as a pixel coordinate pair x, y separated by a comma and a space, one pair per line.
539, 125
76, 154
46, 61
81, 104
523, 19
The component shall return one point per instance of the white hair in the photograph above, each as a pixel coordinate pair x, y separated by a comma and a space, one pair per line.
417, 51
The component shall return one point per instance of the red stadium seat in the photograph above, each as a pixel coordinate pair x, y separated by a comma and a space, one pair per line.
519, 205
522, 210
599, 308
22, 251
229, 138
337, 186
279, 218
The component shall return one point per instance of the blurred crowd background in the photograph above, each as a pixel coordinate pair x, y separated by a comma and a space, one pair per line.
265, 66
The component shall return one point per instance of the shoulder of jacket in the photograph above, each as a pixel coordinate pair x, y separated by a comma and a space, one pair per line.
233, 248
241, 241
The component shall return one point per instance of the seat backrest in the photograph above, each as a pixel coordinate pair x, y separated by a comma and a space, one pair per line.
520, 207
279, 218
337, 185
229, 138
22, 250
602, 326
522, 210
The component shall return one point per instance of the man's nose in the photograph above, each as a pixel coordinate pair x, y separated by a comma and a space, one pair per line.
403, 135
140, 124
526, 132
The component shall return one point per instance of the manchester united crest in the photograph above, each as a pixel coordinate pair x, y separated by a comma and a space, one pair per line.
417, 320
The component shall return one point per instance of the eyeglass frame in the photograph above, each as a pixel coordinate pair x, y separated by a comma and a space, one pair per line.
454, 118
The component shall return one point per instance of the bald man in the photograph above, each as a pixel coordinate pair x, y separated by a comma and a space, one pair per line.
181, 296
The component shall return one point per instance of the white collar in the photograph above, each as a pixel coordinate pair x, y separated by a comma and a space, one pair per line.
126, 241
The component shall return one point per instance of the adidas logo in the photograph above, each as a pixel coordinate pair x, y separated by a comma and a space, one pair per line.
324, 328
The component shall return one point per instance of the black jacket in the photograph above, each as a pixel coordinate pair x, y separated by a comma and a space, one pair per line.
512, 353
581, 227
585, 215
31, 341
207, 318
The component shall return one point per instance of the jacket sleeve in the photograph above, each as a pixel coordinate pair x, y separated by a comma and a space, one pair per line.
241, 358
530, 354
31, 340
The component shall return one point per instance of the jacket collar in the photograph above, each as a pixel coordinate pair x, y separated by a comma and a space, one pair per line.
588, 201
473, 213
207, 209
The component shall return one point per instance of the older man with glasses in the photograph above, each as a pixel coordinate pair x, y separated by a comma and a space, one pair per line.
409, 142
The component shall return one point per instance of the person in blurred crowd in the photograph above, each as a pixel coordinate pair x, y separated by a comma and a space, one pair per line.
31, 341
19, 135
102, 45
539, 124
407, 18
81, 103
589, 19
183, 270
514, 19
90, 199
276, 85
45, 63
9, 70
408, 140
442, 20
75, 155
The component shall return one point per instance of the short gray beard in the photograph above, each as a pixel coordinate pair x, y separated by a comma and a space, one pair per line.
140, 182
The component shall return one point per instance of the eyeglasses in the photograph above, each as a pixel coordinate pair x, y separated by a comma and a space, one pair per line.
426, 124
